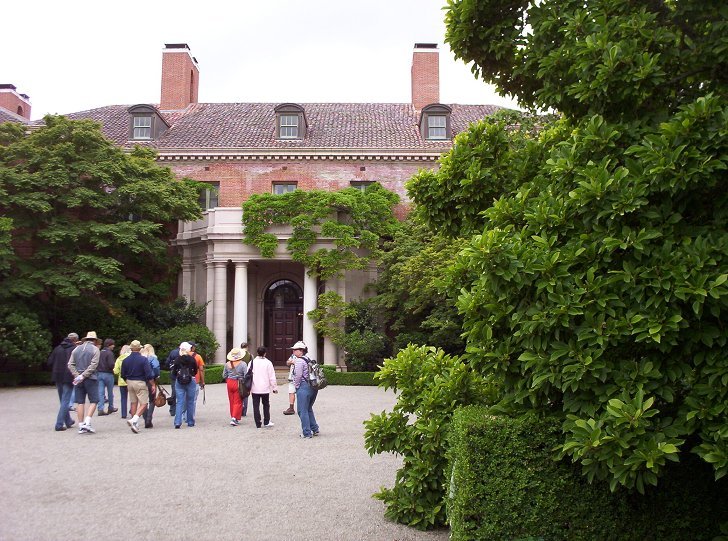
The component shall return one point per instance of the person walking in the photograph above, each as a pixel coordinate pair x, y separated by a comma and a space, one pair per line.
184, 371
123, 391
264, 382
305, 394
106, 377
291, 388
199, 376
148, 352
83, 364
233, 374
168, 364
61, 376
137, 372
246, 359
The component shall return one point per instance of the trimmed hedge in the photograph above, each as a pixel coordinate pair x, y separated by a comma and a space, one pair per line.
505, 484
348, 378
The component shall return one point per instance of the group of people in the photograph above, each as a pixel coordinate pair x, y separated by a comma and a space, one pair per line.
84, 369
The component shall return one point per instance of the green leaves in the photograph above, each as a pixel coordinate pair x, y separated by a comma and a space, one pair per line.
352, 220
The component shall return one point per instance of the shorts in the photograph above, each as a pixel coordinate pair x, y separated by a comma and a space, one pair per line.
138, 391
291, 388
88, 387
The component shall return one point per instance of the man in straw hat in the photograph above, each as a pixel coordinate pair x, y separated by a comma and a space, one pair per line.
83, 364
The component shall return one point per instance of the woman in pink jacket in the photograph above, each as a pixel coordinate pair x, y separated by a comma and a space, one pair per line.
264, 382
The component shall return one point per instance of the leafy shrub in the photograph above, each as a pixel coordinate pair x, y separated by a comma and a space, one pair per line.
504, 484
23, 341
213, 374
169, 339
430, 385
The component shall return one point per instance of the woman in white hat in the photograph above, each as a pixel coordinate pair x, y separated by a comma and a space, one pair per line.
233, 374
305, 394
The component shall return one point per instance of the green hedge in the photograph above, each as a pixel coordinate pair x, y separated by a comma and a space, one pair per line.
348, 378
15, 379
213, 374
505, 485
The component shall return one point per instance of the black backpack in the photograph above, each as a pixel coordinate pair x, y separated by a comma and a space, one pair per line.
184, 376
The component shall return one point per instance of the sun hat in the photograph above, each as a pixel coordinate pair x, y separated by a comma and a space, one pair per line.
135, 344
299, 345
91, 335
235, 354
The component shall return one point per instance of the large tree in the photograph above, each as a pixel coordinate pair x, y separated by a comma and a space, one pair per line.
595, 282
86, 218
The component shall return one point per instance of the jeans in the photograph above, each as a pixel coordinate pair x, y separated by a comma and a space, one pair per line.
106, 383
65, 392
186, 396
149, 412
124, 394
266, 408
306, 396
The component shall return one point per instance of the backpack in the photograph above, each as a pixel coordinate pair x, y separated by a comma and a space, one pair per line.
316, 375
184, 376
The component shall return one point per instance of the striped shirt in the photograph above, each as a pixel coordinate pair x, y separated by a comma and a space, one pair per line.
300, 371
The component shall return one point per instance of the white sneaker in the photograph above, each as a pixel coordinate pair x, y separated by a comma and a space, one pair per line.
82, 428
134, 427
90, 430
234, 422
270, 424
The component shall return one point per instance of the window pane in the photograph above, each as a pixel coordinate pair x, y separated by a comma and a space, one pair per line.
209, 197
361, 184
289, 126
142, 127
280, 188
436, 127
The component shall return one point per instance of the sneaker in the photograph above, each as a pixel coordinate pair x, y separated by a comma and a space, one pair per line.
112, 410
71, 424
305, 437
90, 430
289, 411
133, 426
316, 433
270, 424
233, 422
60, 428
82, 428
101, 413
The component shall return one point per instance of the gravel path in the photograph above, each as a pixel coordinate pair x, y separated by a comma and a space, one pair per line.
209, 482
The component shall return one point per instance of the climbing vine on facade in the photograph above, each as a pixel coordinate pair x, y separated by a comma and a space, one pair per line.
356, 222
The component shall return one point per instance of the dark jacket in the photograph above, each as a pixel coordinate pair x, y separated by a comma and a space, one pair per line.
106, 361
184, 360
171, 358
58, 360
136, 367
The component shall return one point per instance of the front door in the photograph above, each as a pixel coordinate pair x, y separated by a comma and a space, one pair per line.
283, 318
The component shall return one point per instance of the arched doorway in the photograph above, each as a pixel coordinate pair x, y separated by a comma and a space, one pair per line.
283, 317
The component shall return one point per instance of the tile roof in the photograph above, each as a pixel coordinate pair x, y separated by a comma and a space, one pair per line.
211, 126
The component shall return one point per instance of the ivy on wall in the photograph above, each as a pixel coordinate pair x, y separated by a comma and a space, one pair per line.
355, 222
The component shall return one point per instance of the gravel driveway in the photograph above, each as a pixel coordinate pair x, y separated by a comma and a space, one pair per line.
209, 482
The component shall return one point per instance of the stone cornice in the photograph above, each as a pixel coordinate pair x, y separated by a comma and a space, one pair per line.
256, 154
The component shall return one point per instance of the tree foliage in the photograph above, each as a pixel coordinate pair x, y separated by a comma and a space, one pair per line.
357, 222
88, 220
595, 281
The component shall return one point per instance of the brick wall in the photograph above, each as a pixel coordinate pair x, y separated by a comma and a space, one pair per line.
10, 100
239, 180
425, 76
180, 80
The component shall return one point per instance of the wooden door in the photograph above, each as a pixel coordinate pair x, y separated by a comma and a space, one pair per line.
283, 326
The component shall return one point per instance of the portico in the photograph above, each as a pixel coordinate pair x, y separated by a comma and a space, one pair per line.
253, 299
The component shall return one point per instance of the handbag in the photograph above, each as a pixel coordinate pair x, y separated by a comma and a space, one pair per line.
161, 398
246, 384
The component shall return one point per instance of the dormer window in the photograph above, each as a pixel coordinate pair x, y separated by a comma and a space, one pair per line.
290, 121
435, 122
145, 124
142, 127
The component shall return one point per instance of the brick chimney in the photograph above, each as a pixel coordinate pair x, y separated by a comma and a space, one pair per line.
425, 75
11, 100
180, 77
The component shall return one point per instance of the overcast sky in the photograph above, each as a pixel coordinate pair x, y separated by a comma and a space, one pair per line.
78, 55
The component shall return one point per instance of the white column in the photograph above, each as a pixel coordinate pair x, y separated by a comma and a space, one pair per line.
341, 286
187, 274
219, 309
331, 353
210, 272
240, 307
310, 300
